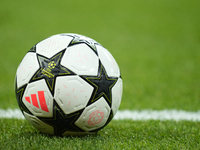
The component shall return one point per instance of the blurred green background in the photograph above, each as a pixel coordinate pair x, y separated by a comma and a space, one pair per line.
156, 44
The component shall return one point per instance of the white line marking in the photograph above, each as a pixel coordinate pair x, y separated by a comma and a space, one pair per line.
11, 113
176, 115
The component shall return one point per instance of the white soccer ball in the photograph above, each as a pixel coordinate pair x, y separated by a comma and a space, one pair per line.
68, 84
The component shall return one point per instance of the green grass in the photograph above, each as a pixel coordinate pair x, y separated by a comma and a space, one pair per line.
18, 134
156, 44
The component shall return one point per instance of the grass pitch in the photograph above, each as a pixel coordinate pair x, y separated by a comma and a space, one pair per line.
18, 134
156, 44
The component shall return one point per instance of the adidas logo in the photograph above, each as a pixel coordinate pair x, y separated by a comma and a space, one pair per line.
42, 100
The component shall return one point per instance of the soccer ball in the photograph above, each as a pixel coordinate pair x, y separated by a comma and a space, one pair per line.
68, 84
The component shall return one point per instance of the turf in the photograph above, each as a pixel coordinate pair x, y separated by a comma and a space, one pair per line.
156, 44
18, 134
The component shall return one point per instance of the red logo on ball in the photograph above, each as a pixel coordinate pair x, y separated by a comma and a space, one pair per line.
96, 117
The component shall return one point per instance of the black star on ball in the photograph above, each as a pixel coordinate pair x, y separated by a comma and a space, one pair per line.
62, 122
78, 39
102, 84
50, 68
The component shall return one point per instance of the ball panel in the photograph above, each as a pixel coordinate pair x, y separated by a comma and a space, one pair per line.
81, 60
108, 61
94, 116
117, 95
38, 99
72, 93
38, 124
53, 45
26, 69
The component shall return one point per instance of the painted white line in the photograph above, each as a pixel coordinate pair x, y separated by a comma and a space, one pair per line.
176, 115
11, 113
